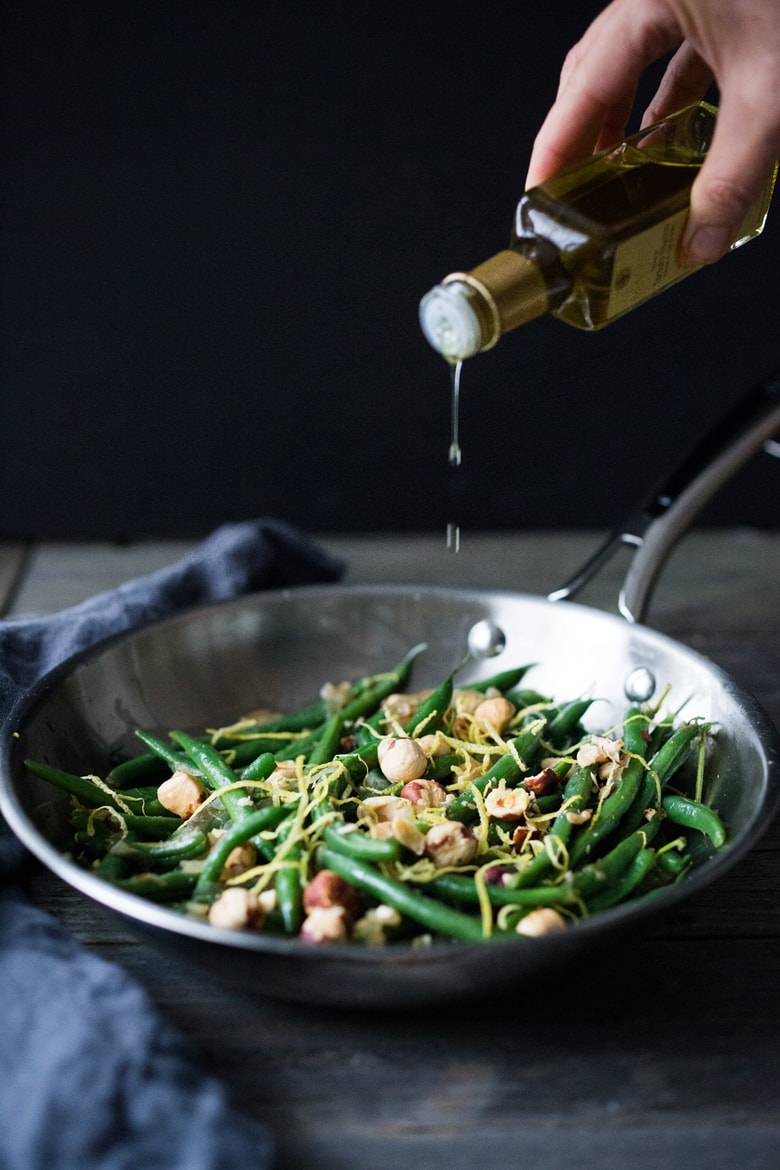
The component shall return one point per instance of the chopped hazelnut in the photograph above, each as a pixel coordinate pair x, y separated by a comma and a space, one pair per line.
579, 818
450, 843
237, 909
330, 889
403, 706
377, 809
372, 927
325, 924
600, 750
507, 804
241, 858
424, 793
545, 920
543, 783
181, 794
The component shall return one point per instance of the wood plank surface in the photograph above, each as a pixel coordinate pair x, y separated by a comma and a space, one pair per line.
660, 1053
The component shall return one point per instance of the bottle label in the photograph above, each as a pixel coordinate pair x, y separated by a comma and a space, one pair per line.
647, 263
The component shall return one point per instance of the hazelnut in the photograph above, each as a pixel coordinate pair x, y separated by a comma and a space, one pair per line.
237, 909
403, 706
507, 804
181, 794
401, 759
466, 702
330, 889
543, 783
600, 750
496, 712
241, 858
325, 924
424, 793
450, 843
434, 744
545, 920
376, 809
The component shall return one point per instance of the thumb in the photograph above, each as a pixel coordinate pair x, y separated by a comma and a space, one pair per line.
733, 179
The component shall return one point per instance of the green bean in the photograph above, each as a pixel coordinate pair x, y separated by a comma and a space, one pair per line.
561, 726
361, 760
437, 917
216, 773
304, 719
257, 822
137, 769
243, 753
523, 697
692, 814
505, 680
429, 716
597, 876
112, 868
672, 862
354, 843
302, 746
626, 883
176, 761
93, 844
260, 768
329, 740
575, 797
367, 701
175, 886
289, 886
620, 800
84, 790
168, 852
674, 752
462, 888
441, 767
153, 827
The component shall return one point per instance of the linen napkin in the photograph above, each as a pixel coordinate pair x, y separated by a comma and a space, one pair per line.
92, 1077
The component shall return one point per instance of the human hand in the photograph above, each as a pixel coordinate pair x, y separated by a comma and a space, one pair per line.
734, 42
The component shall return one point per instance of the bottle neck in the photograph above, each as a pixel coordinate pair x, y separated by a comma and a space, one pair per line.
512, 291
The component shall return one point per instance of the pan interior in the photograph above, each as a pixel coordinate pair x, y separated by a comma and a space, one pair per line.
274, 650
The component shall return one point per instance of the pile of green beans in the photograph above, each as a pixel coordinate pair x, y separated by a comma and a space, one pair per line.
550, 822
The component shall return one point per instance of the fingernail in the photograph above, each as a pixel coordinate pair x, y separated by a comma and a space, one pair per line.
705, 245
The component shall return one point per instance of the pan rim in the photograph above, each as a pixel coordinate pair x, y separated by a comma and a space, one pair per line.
149, 914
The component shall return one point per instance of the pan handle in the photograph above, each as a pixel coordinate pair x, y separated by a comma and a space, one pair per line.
666, 513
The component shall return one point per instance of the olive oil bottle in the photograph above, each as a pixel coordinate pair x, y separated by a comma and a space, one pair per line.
588, 244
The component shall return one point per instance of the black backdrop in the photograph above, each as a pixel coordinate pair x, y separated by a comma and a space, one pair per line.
218, 218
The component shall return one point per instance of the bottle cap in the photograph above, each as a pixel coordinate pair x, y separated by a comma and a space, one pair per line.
449, 322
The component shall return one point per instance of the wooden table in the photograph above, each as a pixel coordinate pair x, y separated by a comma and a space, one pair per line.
662, 1054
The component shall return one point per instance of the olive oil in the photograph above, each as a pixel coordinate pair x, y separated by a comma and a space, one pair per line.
454, 455
589, 244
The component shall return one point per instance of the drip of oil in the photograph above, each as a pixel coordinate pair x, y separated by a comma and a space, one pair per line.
455, 452
454, 455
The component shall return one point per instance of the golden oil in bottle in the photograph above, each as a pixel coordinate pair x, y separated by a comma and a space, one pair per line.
588, 244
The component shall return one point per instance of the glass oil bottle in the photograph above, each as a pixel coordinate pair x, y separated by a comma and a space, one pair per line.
588, 244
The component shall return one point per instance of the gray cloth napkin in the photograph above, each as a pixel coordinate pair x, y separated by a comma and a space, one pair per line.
92, 1077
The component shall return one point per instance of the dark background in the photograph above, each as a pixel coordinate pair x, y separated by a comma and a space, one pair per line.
218, 219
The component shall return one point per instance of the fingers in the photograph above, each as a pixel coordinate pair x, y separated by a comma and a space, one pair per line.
743, 151
598, 86
686, 80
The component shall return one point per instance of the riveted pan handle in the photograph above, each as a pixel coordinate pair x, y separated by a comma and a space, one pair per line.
667, 512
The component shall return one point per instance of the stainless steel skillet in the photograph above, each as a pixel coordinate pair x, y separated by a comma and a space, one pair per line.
275, 649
